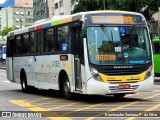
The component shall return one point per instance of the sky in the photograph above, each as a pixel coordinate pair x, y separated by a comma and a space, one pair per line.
6, 3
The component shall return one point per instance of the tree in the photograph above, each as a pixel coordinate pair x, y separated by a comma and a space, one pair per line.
6, 30
146, 7
88, 5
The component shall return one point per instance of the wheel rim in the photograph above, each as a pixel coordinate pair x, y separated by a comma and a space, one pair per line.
23, 84
67, 88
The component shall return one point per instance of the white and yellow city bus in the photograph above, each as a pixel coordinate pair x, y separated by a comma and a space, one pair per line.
92, 53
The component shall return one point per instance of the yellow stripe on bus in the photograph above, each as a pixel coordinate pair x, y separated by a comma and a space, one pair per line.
123, 79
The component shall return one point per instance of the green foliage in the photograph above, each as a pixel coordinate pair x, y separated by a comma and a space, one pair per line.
146, 7
6, 30
88, 5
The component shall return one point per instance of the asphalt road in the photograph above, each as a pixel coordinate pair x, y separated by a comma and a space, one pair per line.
17, 105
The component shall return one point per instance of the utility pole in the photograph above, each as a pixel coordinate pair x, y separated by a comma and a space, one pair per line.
104, 4
20, 22
158, 23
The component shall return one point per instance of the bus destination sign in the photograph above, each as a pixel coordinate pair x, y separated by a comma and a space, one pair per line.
119, 19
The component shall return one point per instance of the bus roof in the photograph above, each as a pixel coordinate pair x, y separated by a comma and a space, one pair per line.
56, 20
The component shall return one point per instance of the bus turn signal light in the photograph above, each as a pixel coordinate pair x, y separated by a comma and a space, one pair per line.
63, 57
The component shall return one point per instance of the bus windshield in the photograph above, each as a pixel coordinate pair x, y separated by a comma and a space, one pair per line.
118, 45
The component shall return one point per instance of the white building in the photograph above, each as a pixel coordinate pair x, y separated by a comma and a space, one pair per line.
17, 16
156, 25
61, 7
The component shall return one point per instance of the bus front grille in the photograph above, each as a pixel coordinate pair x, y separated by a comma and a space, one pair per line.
116, 88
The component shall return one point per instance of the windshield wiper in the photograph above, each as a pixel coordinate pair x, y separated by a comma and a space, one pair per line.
106, 32
109, 36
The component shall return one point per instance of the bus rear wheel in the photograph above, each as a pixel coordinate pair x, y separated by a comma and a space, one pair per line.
66, 88
121, 95
24, 85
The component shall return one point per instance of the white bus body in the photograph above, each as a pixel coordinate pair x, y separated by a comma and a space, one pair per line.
70, 68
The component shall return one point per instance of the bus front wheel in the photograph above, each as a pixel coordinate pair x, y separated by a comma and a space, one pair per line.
24, 83
66, 88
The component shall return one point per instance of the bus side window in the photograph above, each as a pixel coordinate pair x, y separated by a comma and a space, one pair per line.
31, 43
62, 39
38, 42
25, 48
18, 46
48, 46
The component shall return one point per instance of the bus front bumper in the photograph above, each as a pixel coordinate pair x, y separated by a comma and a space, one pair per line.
100, 88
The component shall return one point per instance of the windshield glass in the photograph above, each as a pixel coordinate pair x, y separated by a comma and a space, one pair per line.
118, 45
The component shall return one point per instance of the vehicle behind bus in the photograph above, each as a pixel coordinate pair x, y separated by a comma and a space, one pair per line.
156, 52
2, 52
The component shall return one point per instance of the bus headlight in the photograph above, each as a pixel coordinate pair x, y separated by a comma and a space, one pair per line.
95, 74
148, 72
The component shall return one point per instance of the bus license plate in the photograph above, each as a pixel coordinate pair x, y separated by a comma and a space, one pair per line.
124, 86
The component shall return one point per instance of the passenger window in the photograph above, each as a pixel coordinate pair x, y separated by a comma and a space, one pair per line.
48, 46
62, 39
38, 42
18, 46
25, 49
32, 43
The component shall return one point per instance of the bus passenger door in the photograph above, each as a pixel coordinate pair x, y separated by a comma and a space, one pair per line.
78, 58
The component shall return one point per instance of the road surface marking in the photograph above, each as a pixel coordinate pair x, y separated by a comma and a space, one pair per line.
31, 107
63, 106
90, 106
117, 108
150, 109
132, 94
40, 99
46, 103
80, 109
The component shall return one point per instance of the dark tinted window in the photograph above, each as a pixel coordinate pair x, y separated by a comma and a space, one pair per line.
18, 46
25, 49
31, 43
48, 45
38, 42
62, 39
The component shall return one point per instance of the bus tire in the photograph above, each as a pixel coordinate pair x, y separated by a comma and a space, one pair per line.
66, 88
24, 86
120, 95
